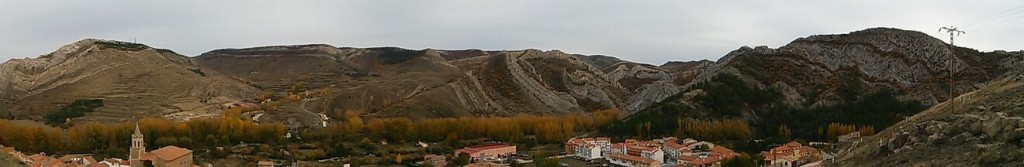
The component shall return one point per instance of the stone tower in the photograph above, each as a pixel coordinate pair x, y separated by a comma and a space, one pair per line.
138, 148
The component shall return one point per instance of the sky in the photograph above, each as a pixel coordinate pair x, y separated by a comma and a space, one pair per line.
651, 32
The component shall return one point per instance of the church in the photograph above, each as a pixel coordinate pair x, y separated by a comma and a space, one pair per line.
169, 156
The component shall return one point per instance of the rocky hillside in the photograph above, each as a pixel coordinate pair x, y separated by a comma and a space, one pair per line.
872, 77
432, 83
986, 129
815, 71
130, 80
823, 70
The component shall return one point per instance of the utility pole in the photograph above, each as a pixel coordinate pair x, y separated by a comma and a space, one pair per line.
953, 31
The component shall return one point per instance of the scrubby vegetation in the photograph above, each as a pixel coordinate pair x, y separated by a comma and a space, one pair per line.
878, 110
74, 110
197, 71
728, 96
729, 108
394, 55
124, 46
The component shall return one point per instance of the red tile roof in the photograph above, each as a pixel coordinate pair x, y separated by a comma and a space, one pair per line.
728, 153
474, 149
170, 153
631, 158
674, 146
793, 144
488, 146
698, 161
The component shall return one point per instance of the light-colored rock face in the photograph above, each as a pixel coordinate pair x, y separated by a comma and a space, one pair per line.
557, 82
133, 82
646, 84
23, 75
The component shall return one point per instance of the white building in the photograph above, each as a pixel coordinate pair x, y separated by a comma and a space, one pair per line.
653, 153
588, 151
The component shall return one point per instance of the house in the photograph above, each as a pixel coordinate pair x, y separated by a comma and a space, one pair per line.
703, 160
848, 137
673, 149
691, 152
588, 151
170, 156
635, 153
653, 153
39, 160
75, 160
604, 143
570, 145
434, 160
617, 148
631, 160
589, 148
486, 164
586, 148
713, 157
791, 154
115, 162
487, 151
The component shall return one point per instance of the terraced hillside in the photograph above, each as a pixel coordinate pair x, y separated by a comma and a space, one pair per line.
131, 80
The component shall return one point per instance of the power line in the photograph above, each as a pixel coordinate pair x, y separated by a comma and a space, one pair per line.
995, 24
994, 16
994, 19
952, 77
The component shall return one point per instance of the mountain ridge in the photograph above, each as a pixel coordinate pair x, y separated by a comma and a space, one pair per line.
444, 83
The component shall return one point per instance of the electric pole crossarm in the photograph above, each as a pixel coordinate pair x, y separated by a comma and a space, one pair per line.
953, 32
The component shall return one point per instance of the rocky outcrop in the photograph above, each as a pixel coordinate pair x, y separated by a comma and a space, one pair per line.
133, 80
441, 83
985, 129
647, 84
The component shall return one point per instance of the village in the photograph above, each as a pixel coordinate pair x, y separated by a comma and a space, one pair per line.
478, 152
668, 151
577, 151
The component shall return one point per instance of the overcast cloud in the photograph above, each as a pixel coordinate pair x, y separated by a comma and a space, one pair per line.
643, 31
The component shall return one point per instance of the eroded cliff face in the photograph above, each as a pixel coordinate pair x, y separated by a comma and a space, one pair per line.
133, 80
442, 83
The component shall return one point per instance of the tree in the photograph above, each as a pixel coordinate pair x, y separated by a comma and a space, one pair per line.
398, 159
867, 130
703, 147
462, 159
784, 132
543, 160
743, 160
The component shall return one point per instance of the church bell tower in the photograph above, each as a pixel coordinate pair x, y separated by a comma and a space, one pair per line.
138, 148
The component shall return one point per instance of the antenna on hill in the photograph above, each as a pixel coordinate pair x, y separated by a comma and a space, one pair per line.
953, 31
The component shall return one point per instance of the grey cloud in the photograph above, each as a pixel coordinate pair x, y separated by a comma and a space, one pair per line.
644, 31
